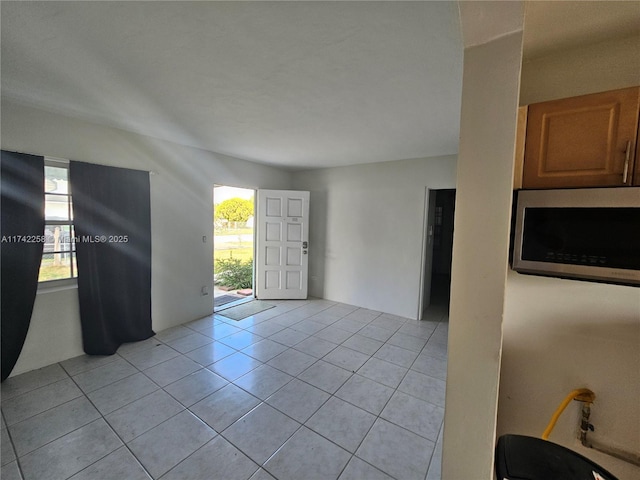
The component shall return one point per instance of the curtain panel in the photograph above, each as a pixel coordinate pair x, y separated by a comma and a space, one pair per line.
21, 228
112, 225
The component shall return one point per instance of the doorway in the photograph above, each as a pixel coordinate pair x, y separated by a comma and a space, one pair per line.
442, 246
233, 245
438, 248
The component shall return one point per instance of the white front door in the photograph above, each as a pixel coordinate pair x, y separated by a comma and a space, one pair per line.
282, 260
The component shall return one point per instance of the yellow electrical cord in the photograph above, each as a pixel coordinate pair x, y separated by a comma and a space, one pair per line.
581, 394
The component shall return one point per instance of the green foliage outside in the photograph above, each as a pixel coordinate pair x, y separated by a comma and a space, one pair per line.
228, 231
243, 253
234, 259
237, 210
49, 270
53, 273
234, 272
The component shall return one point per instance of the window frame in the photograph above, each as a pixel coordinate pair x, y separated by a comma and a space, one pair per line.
71, 281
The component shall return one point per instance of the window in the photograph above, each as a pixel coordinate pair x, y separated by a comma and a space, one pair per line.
58, 256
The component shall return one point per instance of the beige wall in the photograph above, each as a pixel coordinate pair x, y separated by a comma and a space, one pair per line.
559, 335
480, 255
565, 334
579, 71
181, 214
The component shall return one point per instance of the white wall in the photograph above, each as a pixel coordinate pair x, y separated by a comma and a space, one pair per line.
480, 255
181, 213
365, 243
565, 334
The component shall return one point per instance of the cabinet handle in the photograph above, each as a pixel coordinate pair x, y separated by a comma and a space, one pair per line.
627, 157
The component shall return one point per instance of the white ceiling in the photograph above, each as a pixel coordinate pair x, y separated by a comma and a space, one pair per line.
293, 84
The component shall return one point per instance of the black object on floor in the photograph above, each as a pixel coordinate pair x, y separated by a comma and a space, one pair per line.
519, 457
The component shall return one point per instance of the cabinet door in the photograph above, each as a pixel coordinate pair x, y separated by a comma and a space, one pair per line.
582, 141
636, 169
521, 135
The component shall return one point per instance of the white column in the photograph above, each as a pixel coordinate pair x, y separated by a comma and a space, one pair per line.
480, 254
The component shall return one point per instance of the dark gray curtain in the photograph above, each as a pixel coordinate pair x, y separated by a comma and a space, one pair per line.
21, 227
113, 243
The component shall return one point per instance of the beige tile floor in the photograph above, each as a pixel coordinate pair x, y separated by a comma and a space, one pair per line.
306, 390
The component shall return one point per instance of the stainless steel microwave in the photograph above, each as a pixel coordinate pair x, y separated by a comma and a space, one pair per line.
586, 234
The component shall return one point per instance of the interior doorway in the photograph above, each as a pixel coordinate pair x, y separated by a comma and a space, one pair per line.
233, 245
438, 247
442, 246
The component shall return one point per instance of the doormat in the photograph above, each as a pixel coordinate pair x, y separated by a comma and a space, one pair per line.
224, 299
246, 309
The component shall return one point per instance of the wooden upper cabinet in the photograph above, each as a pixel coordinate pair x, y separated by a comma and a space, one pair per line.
636, 169
521, 132
586, 141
